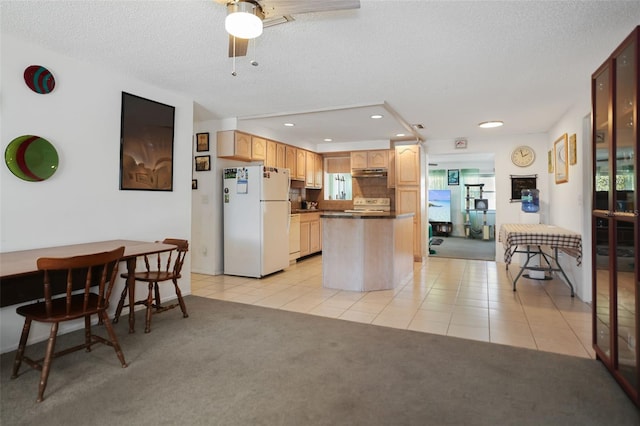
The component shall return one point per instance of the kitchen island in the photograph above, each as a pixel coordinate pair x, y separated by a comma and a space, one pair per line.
366, 251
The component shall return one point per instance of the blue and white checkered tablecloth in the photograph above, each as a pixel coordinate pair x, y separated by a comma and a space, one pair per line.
519, 234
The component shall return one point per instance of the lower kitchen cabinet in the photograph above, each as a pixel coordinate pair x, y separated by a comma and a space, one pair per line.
310, 234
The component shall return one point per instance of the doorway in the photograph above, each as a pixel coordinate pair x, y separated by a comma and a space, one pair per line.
461, 206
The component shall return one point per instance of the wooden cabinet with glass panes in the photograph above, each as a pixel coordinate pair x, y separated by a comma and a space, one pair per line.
615, 228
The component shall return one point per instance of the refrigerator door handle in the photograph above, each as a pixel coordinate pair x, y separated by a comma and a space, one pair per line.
289, 218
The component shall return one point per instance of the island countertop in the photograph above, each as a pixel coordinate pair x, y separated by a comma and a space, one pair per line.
364, 215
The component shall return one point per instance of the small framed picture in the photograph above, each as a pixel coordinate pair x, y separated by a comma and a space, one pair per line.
573, 150
203, 163
453, 177
561, 160
194, 183
202, 142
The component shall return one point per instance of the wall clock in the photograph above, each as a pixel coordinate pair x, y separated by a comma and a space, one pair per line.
523, 156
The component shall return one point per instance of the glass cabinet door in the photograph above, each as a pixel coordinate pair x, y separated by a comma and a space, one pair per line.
603, 245
626, 308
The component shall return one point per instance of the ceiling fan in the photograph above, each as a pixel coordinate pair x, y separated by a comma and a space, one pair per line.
254, 15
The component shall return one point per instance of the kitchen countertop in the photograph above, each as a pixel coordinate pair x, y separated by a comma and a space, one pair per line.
299, 211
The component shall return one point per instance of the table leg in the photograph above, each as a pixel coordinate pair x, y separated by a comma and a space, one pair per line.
555, 255
131, 284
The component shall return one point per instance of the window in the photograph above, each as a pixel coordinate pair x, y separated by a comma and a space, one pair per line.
337, 178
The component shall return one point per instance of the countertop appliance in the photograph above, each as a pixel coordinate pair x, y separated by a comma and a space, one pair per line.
370, 205
256, 212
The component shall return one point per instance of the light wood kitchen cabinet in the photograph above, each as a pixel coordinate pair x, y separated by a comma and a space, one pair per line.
319, 172
408, 201
280, 155
407, 162
391, 170
234, 144
276, 156
310, 234
271, 158
291, 159
378, 159
310, 167
301, 164
258, 149
314, 176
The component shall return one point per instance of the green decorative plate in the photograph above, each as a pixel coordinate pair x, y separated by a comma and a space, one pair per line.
31, 158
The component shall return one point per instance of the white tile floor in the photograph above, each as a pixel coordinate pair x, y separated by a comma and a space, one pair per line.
471, 299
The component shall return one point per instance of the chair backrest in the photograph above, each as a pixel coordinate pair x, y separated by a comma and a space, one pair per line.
80, 273
179, 255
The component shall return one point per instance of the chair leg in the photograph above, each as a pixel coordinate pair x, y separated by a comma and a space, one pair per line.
87, 332
157, 293
183, 307
147, 325
113, 338
123, 296
21, 347
46, 366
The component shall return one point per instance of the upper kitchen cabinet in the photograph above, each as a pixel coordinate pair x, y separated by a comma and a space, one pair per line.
301, 165
258, 149
378, 159
291, 159
313, 170
234, 144
615, 224
391, 170
407, 162
275, 154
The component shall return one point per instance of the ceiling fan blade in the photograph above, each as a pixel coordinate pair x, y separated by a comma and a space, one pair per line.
241, 46
273, 8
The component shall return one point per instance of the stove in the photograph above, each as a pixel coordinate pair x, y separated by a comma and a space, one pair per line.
370, 205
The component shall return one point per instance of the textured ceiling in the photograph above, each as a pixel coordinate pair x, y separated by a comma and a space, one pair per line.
447, 65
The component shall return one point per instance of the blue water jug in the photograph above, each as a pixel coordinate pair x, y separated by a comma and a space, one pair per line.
530, 200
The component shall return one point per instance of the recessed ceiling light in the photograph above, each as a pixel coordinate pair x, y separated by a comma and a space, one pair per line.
490, 124
328, 140
376, 116
400, 135
289, 124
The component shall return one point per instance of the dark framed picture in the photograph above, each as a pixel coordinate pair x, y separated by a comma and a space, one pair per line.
203, 163
146, 144
518, 183
202, 142
194, 183
453, 177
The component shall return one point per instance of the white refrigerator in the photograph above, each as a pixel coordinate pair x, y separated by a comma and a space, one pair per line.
256, 211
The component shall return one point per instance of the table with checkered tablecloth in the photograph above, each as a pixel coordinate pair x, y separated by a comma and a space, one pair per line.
536, 236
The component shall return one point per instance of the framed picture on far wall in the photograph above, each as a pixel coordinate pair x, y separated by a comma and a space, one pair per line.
202, 142
453, 177
203, 163
561, 159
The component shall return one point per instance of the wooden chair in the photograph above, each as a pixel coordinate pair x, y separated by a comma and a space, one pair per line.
76, 276
164, 271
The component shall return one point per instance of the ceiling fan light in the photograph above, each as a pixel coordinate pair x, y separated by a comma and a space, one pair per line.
242, 21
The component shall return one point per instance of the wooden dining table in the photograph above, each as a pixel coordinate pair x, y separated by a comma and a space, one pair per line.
20, 280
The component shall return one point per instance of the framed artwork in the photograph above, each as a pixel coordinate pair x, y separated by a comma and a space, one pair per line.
146, 144
518, 183
550, 161
573, 154
560, 151
194, 183
203, 163
453, 177
202, 142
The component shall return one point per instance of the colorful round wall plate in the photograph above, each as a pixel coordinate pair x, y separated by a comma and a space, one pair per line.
39, 79
31, 158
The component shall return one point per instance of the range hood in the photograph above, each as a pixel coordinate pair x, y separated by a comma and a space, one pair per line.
361, 173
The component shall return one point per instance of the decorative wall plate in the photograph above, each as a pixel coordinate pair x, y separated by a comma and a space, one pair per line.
39, 79
31, 158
